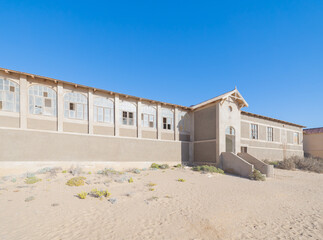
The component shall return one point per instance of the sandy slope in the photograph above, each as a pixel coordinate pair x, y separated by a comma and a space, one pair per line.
206, 206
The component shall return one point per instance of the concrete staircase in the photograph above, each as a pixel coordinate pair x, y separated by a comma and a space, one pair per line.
234, 164
264, 168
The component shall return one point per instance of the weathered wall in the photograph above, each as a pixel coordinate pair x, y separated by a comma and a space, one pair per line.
282, 145
313, 144
9, 121
41, 124
28, 145
103, 130
205, 124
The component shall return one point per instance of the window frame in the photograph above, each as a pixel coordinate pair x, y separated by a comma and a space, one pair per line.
9, 97
270, 134
254, 131
168, 124
104, 108
44, 94
126, 119
77, 105
297, 135
150, 124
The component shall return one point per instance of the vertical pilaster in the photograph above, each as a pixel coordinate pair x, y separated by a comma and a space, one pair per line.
139, 119
159, 121
192, 139
23, 102
90, 112
116, 115
176, 129
60, 107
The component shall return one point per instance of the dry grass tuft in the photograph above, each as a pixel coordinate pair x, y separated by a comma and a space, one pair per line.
301, 163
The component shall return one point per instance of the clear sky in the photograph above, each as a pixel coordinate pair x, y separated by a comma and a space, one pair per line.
181, 52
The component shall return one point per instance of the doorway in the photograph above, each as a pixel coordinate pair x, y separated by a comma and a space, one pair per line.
230, 139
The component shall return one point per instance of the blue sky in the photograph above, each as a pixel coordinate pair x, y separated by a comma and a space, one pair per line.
181, 52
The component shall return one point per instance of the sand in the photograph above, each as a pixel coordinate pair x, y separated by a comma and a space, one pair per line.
205, 206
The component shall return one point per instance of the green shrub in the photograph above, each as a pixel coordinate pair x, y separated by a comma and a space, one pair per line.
89, 173
151, 189
64, 171
130, 180
99, 194
151, 184
76, 181
157, 166
178, 165
82, 195
257, 176
32, 180
181, 180
207, 168
154, 165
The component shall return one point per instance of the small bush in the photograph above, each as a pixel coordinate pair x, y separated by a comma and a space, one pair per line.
89, 173
99, 194
181, 180
178, 166
154, 165
257, 176
151, 189
207, 168
76, 181
151, 184
82, 195
157, 166
64, 171
164, 166
32, 180
130, 180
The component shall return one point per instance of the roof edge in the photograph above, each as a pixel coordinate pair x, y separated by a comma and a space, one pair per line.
8, 71
271, 119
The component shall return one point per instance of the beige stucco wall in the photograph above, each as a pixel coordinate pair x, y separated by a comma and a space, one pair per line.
75, 127
205, 123
167, 135
103, 130
8, 121
52, 146
149, 134
282, 146
313, 144
184, 137
41, 124
205, 152
128, 132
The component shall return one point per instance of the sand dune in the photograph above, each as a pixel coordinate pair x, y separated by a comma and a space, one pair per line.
205, 206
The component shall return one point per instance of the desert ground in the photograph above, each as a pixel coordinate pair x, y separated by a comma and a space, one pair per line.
158, 206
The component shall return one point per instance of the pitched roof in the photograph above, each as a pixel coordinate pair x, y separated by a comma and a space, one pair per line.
271, 119
313, 130
234, 94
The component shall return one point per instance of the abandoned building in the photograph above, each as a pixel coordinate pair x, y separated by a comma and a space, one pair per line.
48, 120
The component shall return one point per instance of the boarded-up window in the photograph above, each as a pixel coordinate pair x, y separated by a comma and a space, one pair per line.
48, 103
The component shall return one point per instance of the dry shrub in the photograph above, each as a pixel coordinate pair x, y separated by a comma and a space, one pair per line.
76, 181
302, 163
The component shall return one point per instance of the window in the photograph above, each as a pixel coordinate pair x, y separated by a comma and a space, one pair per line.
230, 131
296, 138
184, 121
127, 118
270, 134
128, 112
230, 109
147, 120
167, 123
254, 131
168, 118
103, 110
42, 100
148, 116
75, 106
9, 95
